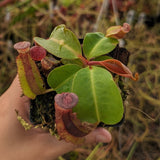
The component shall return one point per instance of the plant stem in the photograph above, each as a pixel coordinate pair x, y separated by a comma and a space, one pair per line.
103, 11
84, 60
132, 150
48, 90
94, 151
90, 63
115, 11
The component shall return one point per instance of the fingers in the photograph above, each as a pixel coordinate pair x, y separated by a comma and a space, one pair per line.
14, 99
62, 147
98, 135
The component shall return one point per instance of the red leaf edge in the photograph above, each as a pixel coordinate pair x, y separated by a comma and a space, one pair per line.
117, 67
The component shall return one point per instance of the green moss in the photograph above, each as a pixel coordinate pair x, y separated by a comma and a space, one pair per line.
42, 110
26, 125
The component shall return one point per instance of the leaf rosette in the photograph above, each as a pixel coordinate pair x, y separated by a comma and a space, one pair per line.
87, 75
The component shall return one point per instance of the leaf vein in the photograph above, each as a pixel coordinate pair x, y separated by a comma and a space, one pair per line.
94, 96
74, 76
60, 42
94, 48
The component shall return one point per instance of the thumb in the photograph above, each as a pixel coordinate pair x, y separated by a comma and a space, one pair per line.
12, 99
99, 135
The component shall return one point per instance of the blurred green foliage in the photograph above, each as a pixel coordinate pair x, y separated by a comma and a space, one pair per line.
67, 3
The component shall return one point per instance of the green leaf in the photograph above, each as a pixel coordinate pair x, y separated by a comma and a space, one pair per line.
68, 3
72, 61
62, 43
96, 44
102, 58
99, 97
29, 76
61, 77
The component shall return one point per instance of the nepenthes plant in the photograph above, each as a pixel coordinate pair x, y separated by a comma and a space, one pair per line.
72, 86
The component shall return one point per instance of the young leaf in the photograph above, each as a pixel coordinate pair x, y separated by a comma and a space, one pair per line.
62, 43
61, 76
96, 44
99, 97
29, 76
117, 67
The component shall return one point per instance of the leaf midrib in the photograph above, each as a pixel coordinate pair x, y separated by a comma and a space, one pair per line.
95, 47
94, 95
93, 91
67, 79
66, 46
61, 84
74, 76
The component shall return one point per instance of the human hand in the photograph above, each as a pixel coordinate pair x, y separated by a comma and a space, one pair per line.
18, 144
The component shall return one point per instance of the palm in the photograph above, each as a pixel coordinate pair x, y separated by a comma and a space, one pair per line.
16, 143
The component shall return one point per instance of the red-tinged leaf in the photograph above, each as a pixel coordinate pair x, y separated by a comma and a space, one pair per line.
68, 126
118, 32
29, 76
117, 67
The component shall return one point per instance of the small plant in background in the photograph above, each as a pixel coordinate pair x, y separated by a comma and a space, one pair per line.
71, 85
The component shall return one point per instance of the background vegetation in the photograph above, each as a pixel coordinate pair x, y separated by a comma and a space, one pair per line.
138, 138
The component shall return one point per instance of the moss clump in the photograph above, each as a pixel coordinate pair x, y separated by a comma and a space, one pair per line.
42, 110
